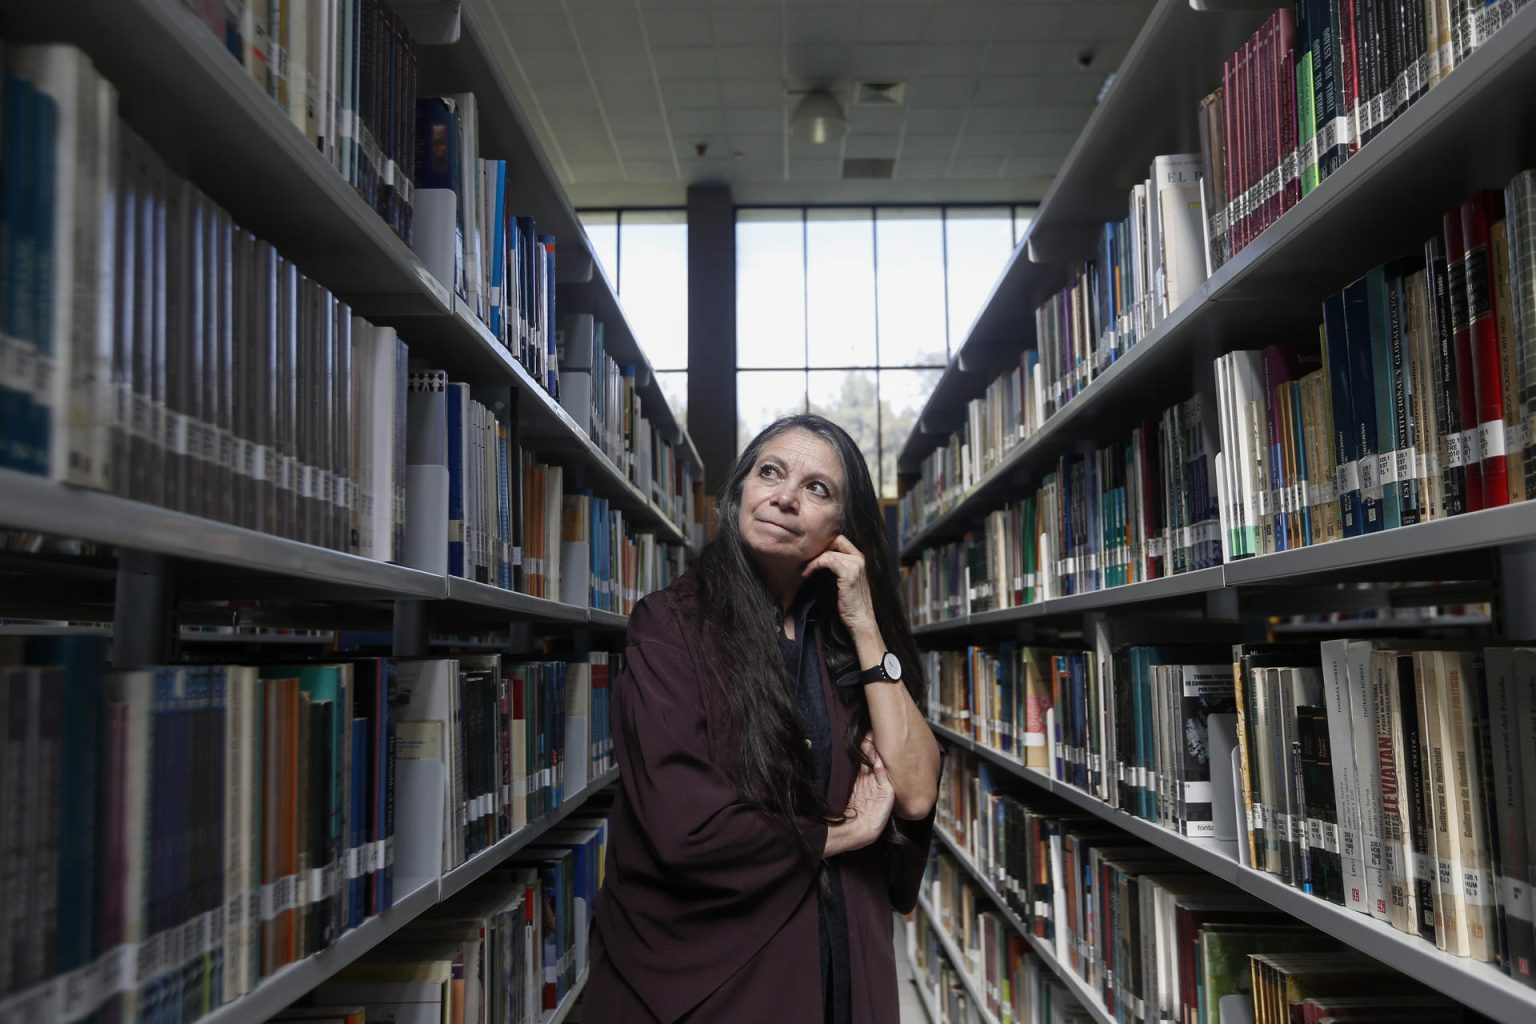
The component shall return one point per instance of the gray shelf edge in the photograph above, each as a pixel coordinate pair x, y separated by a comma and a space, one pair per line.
456, 879
1198, 581
1478, 986
924, 996
1085, 995
484, 595
607, 619
36, 504
1490, 527
295, 980
962, 968
561, 1012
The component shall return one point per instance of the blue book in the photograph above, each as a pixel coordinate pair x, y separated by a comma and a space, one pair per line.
551, 341
1380, 315
499, 249
1362, 389
527, 242
458, 409
45, 152
1346, 443
17, 250
357, 821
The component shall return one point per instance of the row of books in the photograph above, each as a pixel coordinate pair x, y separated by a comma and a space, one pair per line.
470, 237
1415, 410
1420, 406
344, 71
1141, 509
510, 948
1318, 80
176, 834
1153, 938
1384, 775
513, 737
1020, 988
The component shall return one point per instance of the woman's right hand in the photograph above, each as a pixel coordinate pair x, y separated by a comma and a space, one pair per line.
869, 807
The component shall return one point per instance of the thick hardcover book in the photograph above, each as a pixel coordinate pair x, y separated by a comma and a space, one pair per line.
1478, 213
1466, 444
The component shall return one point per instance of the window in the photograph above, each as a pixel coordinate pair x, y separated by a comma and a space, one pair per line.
645, 255
852, 313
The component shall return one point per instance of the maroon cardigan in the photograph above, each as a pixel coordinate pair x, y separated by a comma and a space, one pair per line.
708, 911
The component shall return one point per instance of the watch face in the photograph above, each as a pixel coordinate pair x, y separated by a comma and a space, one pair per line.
892, 666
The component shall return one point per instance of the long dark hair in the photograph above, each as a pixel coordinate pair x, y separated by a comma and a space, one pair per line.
740, 620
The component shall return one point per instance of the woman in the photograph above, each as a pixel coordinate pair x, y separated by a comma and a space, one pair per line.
778, 775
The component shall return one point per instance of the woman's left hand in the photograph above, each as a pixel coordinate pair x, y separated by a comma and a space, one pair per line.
846, 562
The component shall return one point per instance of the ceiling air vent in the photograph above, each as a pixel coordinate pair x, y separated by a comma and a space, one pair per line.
868, 167
879, 94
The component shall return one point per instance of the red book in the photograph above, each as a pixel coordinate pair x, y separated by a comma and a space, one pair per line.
1290, 191
1464, 446
1349, 71
1229, 124
1239, 142
1477, 213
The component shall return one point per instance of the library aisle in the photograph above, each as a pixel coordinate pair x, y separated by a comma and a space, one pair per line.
399, 513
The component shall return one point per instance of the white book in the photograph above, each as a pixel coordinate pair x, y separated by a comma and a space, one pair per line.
426, 473
1176, 179
1458, 702
1346, 784
428, 692
296, 62
135, 692
578, 718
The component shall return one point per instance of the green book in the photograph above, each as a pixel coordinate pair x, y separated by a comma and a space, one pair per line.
1223, 951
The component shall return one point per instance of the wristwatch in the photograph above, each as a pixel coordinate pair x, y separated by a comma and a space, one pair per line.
888, 671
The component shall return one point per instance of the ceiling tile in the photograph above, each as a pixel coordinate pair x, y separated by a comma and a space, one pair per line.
646, 148
1032, 167
538, 30
994, 119
887, 120
577, 123
1040, 21
883, 61
650, 170
1099, 20
824, 61
951, 24
617, 63
763, 61
1051, 144
804, 149
506, 6
568, 99
610, 25
940, 92
751, 147
815, 170
698, 122
586, 149
560, 65
922, 167
691, 95
1043, 90
596, 171
752, 92
760, 121
598, 5
974, 145
865, 145
1020, 57
628, 97
1053, 119
817, 25
677, 28
745, 26
675, 62
950, 58
633, 123
934, 121
977, 167
890, 25
927, 145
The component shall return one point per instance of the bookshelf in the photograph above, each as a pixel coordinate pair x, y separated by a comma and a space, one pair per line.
1464, 133
1087, 997
1480, 986
561, 1012
926, 998
973, 988
201, 111
294, 981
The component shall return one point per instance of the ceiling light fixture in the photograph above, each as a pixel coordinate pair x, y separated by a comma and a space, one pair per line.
818, 118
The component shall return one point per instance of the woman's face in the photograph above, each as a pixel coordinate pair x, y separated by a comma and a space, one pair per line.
792, 500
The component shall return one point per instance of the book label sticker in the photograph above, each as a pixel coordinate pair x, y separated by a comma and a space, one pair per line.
1490, 438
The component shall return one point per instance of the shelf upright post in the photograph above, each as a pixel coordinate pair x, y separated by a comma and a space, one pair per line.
520, 635
409, 629
143, 622
1517, 591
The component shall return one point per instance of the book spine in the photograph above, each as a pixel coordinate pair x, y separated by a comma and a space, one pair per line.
1477, 213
